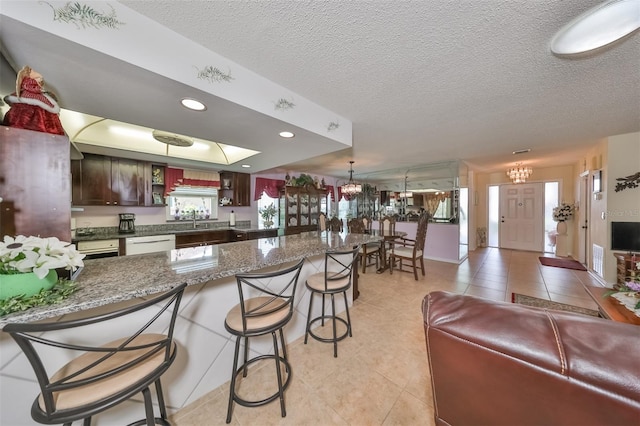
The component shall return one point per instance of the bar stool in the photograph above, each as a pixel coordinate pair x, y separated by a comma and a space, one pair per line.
266, 306
336, 278
102, 376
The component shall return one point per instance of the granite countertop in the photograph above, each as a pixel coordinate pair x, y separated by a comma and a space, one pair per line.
115, 279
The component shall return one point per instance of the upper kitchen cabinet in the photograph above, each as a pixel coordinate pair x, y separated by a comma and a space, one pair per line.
35, 185
110, 181
235, 189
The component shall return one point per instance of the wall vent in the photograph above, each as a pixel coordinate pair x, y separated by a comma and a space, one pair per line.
598, 260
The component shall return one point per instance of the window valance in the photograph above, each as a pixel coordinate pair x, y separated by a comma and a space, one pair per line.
194, 178
271, 187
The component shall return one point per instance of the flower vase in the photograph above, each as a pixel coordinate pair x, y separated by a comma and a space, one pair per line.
561, 228
27, 284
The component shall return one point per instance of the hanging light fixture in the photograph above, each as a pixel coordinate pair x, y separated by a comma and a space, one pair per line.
351, 188
519, 173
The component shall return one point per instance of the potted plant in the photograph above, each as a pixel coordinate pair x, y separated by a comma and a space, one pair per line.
561, 214
268, 213
28, 264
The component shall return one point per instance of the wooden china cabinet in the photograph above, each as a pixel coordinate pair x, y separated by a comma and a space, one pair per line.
300, 208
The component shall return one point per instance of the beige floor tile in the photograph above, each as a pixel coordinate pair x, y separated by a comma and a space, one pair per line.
381, 375
408, 410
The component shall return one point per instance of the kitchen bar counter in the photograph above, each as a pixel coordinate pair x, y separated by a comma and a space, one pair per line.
116, 279
205, 348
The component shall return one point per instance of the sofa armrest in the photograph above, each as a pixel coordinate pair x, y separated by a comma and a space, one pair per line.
497, 363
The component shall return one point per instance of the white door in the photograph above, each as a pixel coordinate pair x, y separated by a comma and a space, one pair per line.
522, 216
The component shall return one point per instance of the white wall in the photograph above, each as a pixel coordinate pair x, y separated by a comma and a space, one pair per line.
623, 159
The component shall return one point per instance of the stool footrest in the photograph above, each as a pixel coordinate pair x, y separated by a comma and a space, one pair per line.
328, 339
269, 399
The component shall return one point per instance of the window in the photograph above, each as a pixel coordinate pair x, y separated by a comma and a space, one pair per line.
184, 202
264, 202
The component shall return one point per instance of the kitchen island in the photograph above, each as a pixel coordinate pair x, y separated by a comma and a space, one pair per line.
205, 352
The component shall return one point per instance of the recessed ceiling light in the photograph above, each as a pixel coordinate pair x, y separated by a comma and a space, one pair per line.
193, 104
246, 166
287, 134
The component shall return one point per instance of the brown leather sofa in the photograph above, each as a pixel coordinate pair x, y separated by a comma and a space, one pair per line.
497, 363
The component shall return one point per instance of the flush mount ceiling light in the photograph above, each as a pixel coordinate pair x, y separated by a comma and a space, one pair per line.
351, 188
246, 166
598, 27
286, 134
519, 173
171, 138
193, 104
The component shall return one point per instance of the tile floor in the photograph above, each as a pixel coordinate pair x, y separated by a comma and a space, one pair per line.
381, 374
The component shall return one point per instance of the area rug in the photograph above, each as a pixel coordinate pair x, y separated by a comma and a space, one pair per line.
547, 304
562, 263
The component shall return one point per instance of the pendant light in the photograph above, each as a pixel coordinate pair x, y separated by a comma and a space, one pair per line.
351, 188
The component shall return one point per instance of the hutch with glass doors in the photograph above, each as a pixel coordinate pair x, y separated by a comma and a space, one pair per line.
300, 208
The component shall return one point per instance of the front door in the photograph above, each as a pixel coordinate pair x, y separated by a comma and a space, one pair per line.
521, 216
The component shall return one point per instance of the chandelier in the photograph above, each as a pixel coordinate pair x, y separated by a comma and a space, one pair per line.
519, 173
351, 188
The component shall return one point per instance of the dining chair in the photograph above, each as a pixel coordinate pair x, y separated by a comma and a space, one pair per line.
266, 306
336, 279
387, 228
322, 222
410, 249
335, 224
100, 376
368, 250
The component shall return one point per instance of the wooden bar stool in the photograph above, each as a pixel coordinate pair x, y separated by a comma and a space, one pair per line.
104, 375
336, 278
266, 306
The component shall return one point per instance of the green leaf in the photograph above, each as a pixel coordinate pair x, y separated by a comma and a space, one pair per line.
63, 289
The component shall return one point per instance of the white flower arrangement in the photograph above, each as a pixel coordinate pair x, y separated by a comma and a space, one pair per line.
563, 212
38, 255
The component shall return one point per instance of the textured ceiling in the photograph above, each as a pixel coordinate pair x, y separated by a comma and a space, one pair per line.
427, 81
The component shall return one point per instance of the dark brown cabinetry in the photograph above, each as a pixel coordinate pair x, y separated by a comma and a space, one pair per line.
626, 267
157, 186
109, 181
253, 235
235, 187
35, 184
205, 238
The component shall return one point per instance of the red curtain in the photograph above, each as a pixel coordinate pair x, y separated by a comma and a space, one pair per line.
200, 182
271, 187
331, 192
172, 179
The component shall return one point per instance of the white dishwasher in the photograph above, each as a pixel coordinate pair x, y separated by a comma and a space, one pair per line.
150, 244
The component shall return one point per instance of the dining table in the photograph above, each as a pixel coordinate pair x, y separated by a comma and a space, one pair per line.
387, 238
